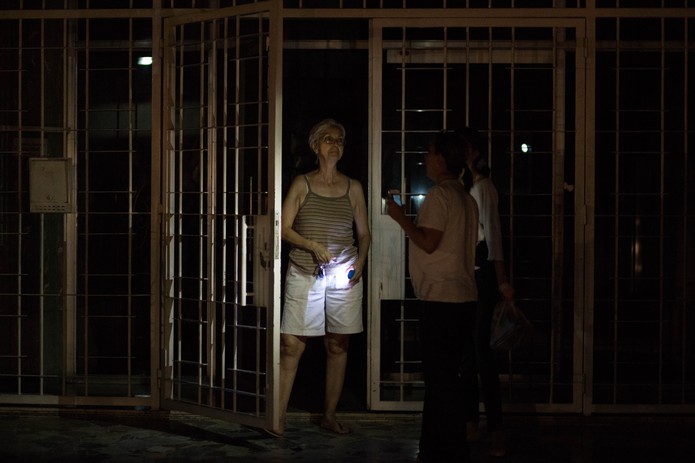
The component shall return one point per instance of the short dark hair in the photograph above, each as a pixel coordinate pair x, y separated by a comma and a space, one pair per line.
453, 148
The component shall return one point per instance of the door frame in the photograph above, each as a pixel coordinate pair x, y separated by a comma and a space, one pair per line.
382, 277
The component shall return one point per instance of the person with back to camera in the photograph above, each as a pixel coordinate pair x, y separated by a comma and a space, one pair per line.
323, 286
441, 265
492, 283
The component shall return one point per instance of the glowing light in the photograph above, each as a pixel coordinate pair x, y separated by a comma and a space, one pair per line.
145, 61
525, 148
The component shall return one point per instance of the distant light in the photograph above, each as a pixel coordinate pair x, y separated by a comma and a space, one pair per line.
525, 148
145, 61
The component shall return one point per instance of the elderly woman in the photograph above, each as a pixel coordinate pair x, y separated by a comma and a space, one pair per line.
323, 288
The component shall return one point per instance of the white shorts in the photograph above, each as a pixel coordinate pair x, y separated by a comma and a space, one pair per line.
316, 306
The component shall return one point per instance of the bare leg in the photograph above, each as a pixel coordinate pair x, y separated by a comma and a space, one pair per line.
291, 350
336, 361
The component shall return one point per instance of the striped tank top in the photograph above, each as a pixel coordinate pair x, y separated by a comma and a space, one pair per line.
328, 221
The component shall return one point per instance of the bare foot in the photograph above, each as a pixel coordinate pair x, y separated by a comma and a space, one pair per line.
335, 426
272, 433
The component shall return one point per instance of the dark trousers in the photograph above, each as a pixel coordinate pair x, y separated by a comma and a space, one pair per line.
484, 360
446, 332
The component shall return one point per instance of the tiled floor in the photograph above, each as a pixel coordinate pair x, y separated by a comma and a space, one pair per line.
135, 437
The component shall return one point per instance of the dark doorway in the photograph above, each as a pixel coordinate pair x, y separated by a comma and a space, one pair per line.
319, 84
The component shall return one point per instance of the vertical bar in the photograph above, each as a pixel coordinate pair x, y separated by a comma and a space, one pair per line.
376, 53
156, 210
404, 53
404, 107
223, 297
512, 192
584, 223
171, 214
70, 140
202, 218
616, 214
239, 299
260, 127
558, 211
662, 210
490, 105
85, 334
210, 105
243, 284
260, 72
42, 284
20, 188
130, 196
467, 67
686, 204
178, 130
445, 62
401, 353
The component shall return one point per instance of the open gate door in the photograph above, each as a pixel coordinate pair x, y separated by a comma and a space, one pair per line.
221, 214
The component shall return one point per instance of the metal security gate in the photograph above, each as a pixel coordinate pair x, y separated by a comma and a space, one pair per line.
221, 215
74, 217
520, 84
598, 212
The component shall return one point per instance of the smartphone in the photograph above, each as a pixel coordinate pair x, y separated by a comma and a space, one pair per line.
396, 196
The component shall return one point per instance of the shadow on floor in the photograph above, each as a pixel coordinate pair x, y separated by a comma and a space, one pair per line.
377, 437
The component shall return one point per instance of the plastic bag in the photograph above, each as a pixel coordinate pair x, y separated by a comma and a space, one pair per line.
510, 327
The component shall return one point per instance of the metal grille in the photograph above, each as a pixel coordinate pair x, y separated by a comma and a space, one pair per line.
645, 304
112, 300
218, 231
76, 283
604, 264
438, 78
33, 125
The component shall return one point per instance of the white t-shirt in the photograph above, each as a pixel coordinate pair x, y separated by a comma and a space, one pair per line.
485, 194
448, 273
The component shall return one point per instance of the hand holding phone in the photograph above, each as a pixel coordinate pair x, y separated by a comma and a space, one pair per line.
396, 196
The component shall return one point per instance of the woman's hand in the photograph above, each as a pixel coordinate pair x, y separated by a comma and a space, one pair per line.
355, 273
321, 253
394, 211
427, 239
507, 291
